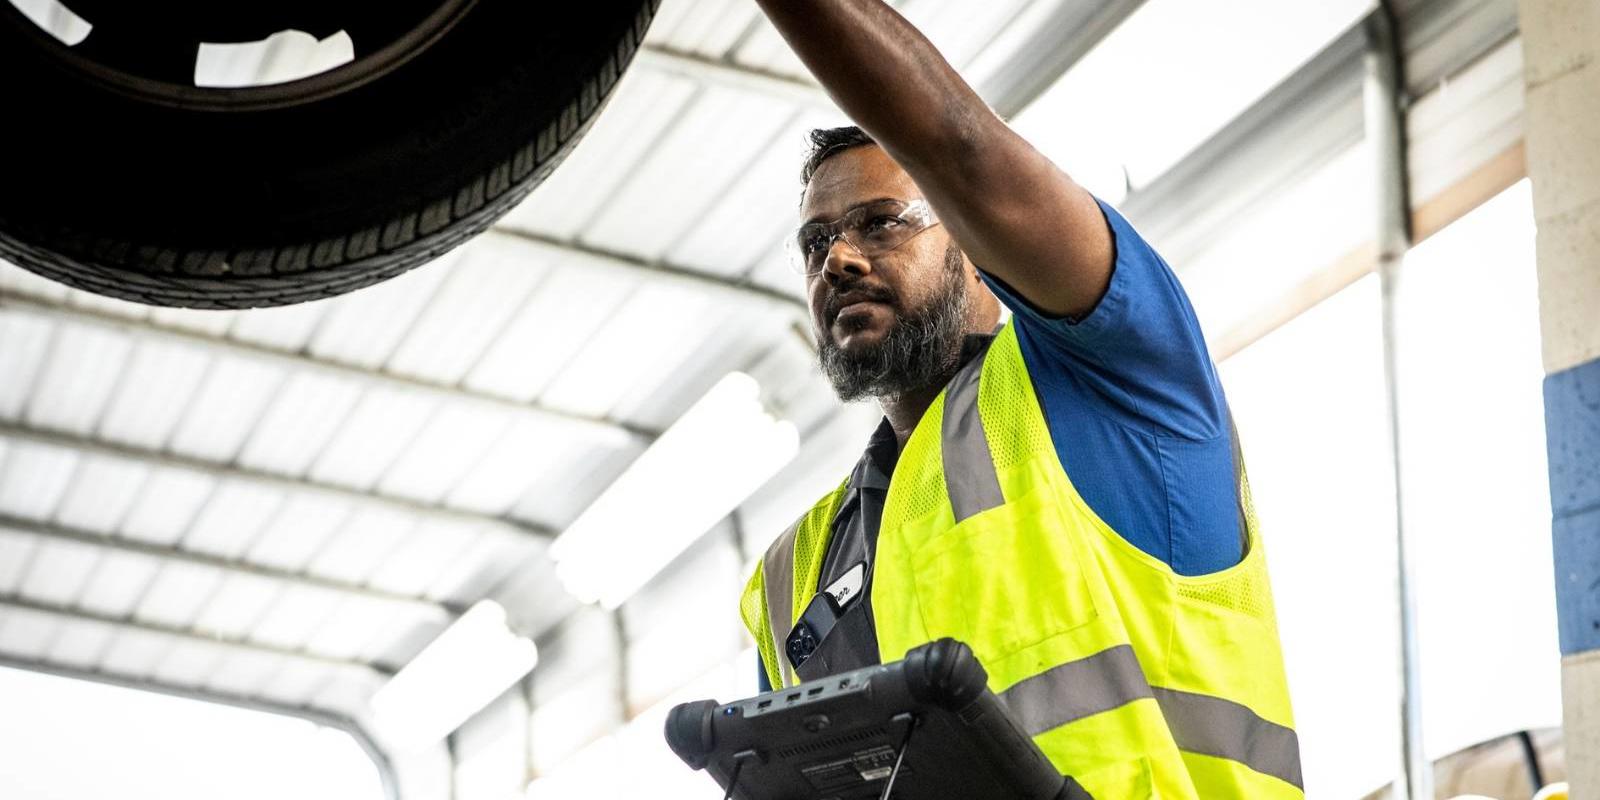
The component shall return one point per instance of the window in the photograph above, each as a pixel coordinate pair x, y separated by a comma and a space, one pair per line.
1173, 74
65, 739
1310, 404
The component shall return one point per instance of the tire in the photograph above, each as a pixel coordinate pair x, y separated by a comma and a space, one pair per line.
145, 201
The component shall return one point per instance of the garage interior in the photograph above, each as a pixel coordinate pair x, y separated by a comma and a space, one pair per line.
279, 510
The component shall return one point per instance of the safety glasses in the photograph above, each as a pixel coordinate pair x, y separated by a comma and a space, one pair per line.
871, 229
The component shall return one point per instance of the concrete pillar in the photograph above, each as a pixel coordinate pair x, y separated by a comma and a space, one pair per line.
1561, 46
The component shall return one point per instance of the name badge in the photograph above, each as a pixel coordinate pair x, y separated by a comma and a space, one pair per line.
848, 586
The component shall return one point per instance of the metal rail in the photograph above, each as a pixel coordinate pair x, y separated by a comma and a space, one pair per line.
62, 533
40, 607
12, 302
1384, 96
159, 458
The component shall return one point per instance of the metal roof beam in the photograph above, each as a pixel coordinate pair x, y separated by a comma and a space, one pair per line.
159, 458
326, 719
25, 604
1058, 41
11, 301
62, 533
724, 72
733, 288
1300, 125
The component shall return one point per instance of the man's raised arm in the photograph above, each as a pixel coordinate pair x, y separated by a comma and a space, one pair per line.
1017, 215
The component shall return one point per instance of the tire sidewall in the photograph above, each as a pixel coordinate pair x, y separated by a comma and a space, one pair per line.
122, 169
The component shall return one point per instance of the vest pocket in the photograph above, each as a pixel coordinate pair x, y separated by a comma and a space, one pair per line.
1004, 580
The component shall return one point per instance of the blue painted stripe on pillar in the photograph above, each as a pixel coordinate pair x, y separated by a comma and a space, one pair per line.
1572, 432
1577, 552
1572, 429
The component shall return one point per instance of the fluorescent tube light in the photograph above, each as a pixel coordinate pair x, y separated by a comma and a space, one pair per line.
719, 452
476, 659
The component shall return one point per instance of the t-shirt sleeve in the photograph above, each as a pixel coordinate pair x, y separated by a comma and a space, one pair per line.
1140, 351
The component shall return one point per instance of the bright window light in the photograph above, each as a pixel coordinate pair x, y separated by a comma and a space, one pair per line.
1310, 403
471, 663
1472, 418
1310, 406
1171, 75
701, 469
1307, 227
65, 738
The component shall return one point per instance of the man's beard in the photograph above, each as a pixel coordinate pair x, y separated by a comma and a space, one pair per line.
922, 349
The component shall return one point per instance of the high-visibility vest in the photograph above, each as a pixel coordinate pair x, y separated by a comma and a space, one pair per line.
1135, 680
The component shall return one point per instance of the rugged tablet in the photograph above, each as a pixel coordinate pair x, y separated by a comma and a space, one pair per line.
924, 728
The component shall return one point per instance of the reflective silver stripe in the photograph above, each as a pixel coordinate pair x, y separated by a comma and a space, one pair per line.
969, 474
1200, 723
1067, 693
1212, 726
778, 580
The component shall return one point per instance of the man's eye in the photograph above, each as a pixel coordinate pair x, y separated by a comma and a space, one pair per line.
813, 243
882, 223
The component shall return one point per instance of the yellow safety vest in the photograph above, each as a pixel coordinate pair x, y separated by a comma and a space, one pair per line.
1135, 680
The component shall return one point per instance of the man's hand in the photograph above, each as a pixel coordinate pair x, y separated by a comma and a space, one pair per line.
1014, 213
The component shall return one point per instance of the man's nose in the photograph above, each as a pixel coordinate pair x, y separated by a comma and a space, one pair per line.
844, 259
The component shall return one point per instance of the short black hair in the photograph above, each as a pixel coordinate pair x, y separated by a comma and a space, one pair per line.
829, 142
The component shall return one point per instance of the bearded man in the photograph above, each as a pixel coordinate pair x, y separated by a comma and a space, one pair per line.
1063, 492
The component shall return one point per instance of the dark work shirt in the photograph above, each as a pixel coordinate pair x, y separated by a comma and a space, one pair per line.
855, 527
853, 537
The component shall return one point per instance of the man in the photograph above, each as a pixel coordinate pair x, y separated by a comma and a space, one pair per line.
1063, 495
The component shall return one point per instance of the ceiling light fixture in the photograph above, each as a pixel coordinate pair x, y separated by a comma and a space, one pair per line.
719, 452
476, 659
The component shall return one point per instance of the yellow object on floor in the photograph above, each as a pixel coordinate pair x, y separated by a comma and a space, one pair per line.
1555, 791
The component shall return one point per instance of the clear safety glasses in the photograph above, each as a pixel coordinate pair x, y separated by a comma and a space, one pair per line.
872, 229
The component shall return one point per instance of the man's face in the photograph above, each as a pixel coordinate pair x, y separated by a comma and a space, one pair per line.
894, 321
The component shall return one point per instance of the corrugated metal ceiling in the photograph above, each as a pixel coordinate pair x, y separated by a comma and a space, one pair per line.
162, 471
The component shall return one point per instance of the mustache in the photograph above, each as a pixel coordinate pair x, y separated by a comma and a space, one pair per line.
861, 291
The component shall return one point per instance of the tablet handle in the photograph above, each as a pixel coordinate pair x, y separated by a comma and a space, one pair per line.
946, 673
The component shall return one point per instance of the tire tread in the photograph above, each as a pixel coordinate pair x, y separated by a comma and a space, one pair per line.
300, 272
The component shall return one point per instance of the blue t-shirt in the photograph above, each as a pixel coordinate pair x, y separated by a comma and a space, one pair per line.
1136, 411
